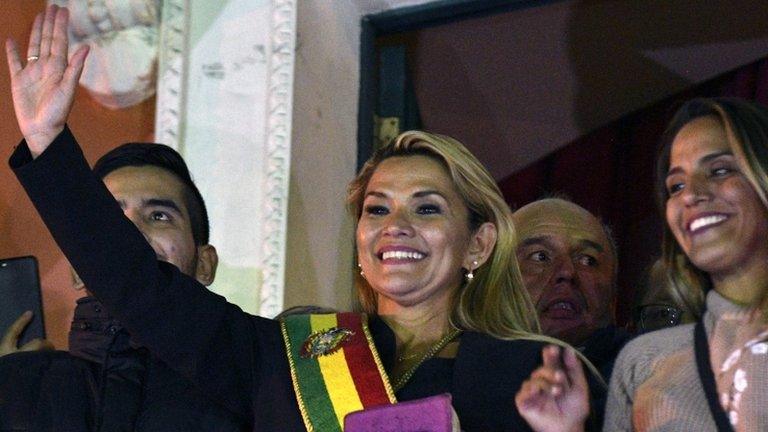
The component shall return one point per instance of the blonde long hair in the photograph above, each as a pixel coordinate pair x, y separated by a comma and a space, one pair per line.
495, 301
746, 128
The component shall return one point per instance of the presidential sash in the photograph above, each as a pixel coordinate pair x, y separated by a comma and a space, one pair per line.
335, 368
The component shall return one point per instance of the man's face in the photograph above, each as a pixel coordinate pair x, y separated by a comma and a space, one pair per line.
153, 199
568, 268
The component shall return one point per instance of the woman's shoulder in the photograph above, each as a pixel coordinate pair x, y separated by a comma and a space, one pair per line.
659, 342
638, 358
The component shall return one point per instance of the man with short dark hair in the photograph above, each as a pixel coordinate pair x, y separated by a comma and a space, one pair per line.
153, 186
164, 157
125, 386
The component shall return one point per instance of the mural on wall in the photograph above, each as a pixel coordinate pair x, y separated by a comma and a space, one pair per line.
123, 35
224, 101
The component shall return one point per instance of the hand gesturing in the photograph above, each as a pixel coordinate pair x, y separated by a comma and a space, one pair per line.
44, 89
556, 396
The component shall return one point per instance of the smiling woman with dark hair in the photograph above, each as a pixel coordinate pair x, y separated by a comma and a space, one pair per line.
712, 179
712, 186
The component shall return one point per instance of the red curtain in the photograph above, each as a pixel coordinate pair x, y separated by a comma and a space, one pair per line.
610, 172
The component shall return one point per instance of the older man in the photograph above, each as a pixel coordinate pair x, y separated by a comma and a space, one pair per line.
568, 262
569, 265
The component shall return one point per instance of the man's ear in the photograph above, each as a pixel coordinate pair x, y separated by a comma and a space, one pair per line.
207, 261
481, 245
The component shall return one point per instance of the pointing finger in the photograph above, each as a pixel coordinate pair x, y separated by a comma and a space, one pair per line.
551, 356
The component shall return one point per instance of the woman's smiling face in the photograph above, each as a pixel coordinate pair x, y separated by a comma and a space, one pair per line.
712, 210
413, 235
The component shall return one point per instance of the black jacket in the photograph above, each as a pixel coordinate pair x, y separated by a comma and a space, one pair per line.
46, 392
104, 383
601, 349
235, 358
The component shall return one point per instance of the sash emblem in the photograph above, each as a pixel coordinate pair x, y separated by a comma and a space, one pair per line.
325, 342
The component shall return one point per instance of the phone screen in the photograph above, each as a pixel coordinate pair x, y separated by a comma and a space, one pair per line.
20, 291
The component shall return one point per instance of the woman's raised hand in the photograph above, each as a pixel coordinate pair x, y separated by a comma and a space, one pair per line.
44, 89
556, 396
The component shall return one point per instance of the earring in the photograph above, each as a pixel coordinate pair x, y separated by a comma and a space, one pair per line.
471, 273
360, 266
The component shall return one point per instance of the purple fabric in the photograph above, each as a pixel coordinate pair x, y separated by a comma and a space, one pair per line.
432, 414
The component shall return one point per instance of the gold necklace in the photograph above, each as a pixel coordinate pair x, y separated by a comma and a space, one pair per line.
403, 358
434, 349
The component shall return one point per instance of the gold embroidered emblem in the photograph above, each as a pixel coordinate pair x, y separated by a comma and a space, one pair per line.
324, 342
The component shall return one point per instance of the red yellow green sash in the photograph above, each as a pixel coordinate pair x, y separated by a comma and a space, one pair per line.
335, 368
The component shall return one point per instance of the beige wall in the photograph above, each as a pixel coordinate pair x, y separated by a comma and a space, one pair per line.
98, 129
323, 154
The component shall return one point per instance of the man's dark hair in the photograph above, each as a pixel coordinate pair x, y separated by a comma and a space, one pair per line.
161, 156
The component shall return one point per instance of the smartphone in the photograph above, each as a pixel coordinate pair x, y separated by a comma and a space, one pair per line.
19, 292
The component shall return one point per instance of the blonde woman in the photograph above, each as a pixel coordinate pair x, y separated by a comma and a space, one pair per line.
434, 243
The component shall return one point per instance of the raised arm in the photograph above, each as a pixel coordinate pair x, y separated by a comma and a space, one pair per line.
43, 89
235, 359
